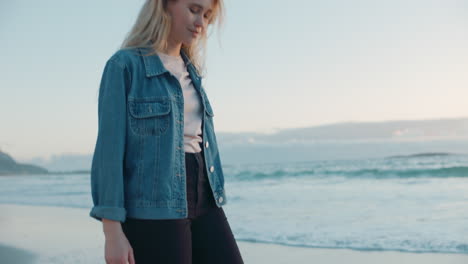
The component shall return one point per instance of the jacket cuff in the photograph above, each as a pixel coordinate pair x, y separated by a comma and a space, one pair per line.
112, 213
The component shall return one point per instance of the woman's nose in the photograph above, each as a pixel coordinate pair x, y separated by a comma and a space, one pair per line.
199, 23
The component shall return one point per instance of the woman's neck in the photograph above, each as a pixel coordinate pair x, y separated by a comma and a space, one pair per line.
173, 49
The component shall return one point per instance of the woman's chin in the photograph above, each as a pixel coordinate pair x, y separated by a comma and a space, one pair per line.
190, 41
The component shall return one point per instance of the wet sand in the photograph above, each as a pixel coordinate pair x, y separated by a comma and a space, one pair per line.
42, 234
15, 255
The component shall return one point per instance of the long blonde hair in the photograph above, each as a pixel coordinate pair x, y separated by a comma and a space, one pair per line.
153, 26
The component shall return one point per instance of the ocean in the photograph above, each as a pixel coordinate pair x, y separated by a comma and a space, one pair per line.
414, 203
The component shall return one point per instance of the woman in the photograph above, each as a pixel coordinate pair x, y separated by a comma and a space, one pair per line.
156, 177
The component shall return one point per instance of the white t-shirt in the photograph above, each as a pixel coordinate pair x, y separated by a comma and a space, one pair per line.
192, 107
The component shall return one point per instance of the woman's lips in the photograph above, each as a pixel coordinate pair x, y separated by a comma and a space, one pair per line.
194, 33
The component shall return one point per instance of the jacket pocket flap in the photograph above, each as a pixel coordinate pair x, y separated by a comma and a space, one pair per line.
149, 109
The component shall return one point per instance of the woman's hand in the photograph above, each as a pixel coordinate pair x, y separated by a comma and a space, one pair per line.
117, 248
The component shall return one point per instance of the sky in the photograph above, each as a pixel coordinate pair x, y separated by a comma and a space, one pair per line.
273, 65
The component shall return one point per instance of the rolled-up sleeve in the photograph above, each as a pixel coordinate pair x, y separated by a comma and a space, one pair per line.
107, 168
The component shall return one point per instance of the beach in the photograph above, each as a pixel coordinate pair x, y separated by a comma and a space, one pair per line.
46, 234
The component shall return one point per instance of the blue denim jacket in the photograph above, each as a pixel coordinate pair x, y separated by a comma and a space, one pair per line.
138, 166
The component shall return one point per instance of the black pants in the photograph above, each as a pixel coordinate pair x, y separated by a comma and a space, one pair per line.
204, 237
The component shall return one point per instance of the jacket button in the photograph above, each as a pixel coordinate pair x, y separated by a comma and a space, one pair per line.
220, 199
206, 144
211, 169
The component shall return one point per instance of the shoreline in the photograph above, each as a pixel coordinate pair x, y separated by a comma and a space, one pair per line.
42, 234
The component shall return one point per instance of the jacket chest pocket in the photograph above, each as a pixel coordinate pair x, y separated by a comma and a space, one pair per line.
149, 117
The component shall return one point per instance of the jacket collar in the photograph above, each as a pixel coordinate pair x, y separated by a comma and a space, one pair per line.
155, 67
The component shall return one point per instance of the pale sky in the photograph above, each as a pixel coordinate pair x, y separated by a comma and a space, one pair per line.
276, 64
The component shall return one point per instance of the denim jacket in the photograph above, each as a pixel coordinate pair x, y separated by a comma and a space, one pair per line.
138, 166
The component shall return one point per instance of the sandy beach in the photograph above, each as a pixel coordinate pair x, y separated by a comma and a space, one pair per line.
41, 234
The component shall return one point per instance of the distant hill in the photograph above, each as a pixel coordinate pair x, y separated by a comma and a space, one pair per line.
404, 130
346, 140
8, 166
64, 162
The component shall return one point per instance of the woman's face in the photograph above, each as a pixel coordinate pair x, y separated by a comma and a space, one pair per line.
189, 20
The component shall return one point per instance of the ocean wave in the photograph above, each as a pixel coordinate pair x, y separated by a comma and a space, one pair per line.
404, 246
422, 155
448, 172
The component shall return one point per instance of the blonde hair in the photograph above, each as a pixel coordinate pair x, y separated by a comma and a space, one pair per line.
153, 25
